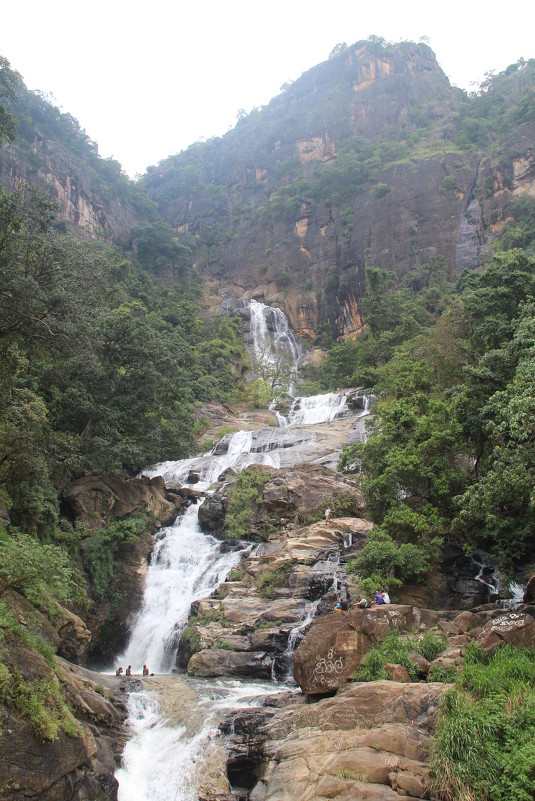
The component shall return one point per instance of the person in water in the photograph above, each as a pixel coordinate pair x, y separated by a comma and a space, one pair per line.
145, 671
128, 670
119, 671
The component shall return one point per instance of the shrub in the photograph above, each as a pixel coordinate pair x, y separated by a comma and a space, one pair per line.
273, 577
430, 645
244, 501
190, 640
393, 649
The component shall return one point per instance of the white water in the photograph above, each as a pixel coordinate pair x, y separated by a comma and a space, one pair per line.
186, 565
271, 334
162, 760
317, 408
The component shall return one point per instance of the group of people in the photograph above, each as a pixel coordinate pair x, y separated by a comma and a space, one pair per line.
119, 671
380, 597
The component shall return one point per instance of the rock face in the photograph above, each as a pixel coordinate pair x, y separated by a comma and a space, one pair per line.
305, 249
335, 645
92, 500
78, 765
371, 741
289, 492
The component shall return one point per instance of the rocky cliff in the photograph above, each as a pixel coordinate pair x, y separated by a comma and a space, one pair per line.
371, 158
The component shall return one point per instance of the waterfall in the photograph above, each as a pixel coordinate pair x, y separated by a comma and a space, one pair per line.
271, 334
186, 565
163, 760
295, 637
317, 408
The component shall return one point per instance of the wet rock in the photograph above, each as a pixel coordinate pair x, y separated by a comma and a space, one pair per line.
220, 662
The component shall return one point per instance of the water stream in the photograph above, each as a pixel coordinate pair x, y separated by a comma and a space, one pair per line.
163, 758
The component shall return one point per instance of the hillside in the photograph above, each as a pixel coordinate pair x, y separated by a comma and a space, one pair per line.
370, 158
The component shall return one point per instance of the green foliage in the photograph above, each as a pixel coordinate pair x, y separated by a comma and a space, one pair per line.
99, 549
443, 673
483, 742
387, 564
244, 502
40, 703
392, 650
430, 645
100, 364
190, 640
270, 578
8, 88
39, 571
225, 645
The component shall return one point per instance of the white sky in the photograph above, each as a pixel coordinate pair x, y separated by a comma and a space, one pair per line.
146, 79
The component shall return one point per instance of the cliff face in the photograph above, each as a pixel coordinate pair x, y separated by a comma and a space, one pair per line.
357, 163
95, 198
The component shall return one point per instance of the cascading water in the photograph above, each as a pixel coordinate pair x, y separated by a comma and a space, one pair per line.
187, 565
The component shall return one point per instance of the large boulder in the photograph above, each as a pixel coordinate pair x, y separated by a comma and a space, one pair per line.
516, 628
93, 500
370, 741
333, 648
221, 662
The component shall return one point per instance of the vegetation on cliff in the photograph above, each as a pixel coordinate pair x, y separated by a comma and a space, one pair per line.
451, 453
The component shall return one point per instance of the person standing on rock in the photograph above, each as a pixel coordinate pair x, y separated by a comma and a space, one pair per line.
328, 514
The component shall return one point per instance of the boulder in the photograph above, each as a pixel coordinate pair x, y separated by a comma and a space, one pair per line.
529, 595
93, 500
333, 648
516, 628
220, 662
370, 741
74, 634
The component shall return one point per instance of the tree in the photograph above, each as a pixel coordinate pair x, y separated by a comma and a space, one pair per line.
39, 571
8, 85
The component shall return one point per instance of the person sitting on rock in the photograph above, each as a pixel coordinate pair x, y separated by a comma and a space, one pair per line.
378, 599
362, 603
344, 606
119, 671
386, 597
128, 670
338, 607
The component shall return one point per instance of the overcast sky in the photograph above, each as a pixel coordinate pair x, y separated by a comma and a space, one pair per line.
146, 79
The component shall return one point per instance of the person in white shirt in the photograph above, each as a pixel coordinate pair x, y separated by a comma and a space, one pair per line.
386, 598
